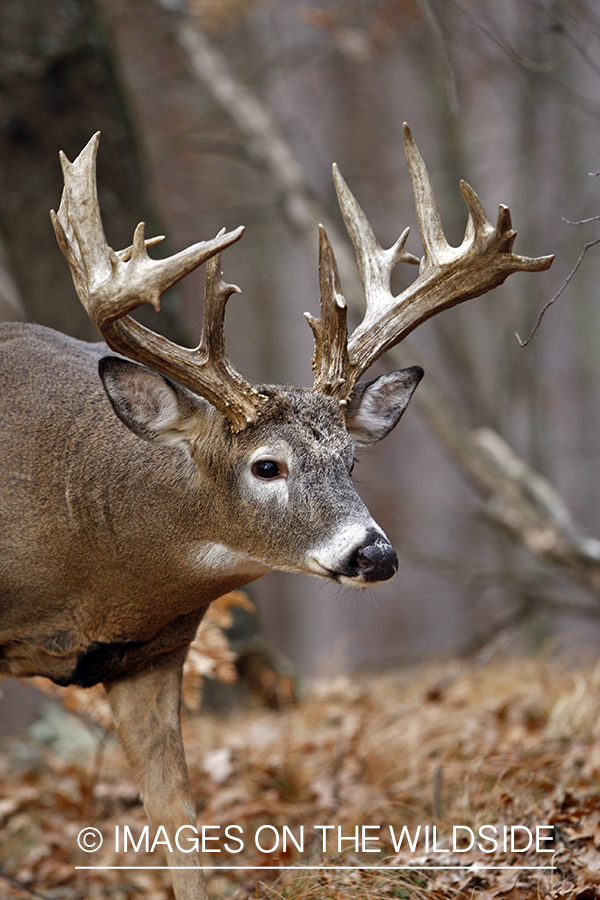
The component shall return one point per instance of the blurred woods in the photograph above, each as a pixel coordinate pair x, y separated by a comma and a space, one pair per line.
231, 112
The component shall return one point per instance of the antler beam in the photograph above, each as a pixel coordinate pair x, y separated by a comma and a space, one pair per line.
111, 284
447, 276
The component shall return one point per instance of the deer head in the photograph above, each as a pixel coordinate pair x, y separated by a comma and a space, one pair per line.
347, 412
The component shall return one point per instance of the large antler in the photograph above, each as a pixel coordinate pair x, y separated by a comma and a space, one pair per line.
447, 276
110, 285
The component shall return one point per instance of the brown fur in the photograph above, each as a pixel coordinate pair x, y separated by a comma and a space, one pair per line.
114, 539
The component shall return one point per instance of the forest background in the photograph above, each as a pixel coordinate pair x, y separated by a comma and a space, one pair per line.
231, 112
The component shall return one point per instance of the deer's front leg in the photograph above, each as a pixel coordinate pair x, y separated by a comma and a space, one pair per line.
146, 708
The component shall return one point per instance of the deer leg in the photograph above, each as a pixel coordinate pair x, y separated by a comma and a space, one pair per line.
146, 709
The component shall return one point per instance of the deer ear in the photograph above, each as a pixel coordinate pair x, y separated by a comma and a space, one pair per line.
151, 406
375, 406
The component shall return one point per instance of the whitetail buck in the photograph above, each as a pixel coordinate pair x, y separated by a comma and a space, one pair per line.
129, 500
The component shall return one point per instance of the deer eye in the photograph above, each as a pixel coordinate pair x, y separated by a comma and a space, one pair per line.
266, 469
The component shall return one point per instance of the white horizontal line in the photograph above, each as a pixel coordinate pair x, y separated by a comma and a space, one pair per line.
473, 866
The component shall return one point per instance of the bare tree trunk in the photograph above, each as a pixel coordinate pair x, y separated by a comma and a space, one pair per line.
11, 304
58, 85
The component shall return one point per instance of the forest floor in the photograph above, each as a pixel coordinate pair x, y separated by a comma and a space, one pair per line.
442, 750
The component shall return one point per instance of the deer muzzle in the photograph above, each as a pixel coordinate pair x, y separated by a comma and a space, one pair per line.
375, 560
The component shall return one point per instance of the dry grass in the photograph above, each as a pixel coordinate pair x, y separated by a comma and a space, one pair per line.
510, 742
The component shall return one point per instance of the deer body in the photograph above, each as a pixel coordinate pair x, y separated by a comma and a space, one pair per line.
82, 506
120, 543
130, 500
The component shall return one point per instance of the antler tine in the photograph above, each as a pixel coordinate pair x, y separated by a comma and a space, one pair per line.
330, 362
110, 285
334, 373
447, 275
374, 263
223, 386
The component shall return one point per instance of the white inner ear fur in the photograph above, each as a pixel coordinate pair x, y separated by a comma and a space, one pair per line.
379, 405
146, 403
154, 404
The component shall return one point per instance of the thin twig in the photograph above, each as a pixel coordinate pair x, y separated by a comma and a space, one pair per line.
440, 46
20, 886
582, 221
584, 250
543, 68
580, 47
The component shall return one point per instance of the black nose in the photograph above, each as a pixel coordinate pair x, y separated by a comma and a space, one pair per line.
376, 561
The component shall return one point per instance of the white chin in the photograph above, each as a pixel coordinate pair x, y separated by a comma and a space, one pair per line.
321, 571
356, 582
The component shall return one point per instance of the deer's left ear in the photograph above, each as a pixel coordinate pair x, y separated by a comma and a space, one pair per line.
376, 406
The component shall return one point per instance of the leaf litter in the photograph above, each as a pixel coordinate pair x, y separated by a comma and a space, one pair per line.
506, 742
